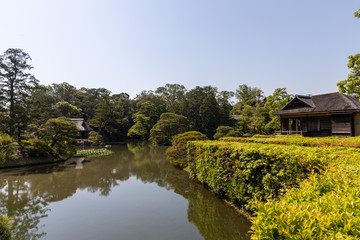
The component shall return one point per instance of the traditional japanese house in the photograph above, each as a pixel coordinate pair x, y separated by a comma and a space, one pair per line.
330, 114
82, 127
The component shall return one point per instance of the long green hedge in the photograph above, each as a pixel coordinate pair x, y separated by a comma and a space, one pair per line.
299, 141
244, 172
294, 192
325, 206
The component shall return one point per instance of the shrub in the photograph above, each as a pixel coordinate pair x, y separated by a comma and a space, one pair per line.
177, 153
300, 140
243, 172
325, 206
95, 137
5, 228
36, 148
8, 148
224, 131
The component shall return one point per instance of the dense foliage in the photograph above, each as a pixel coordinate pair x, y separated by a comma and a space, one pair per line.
294, 191
169, 125
323, 207
299, 140
177, 153
5, 228
243, 172
8, 148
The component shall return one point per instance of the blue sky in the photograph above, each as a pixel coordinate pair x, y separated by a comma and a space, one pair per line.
134, 45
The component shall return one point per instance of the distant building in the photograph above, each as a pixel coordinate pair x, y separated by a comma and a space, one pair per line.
82, 127
330, 114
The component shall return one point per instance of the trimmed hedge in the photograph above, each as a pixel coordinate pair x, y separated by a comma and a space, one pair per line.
300, 141
325, 206
244, 172
294, 192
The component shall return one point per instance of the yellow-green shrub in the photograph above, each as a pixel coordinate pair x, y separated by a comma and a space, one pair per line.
325, 206
177, 153
244, 172
300, 141
8, 148
5, 228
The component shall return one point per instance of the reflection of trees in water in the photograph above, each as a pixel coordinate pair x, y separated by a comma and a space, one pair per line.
29, 190
26, 210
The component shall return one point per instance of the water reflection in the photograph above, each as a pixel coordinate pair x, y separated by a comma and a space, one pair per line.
26, 193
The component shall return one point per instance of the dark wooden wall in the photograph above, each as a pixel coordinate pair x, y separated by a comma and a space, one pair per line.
342, 124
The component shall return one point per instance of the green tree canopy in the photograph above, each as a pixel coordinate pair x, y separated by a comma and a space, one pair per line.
173, 95
169, 125
15, 86
65, 109
59, 133
249, 95
352, 84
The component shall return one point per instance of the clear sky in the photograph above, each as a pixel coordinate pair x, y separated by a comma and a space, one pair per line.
134, 45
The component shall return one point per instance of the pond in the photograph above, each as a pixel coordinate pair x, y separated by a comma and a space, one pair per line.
134, 193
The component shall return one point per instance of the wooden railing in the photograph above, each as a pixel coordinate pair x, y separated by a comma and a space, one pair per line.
289, 133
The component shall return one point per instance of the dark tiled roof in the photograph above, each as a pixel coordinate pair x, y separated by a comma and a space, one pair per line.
81, 125
329, 102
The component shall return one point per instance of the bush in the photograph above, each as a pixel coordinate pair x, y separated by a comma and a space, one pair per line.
243, 172
325, 206
224, 131
8, 148
177, 153
36, 148
95, 137
299, 140
5, 228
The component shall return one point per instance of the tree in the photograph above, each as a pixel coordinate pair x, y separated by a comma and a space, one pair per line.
173, 95
357, 13
224, 101
59, 133
63, 91
65, 109
248, 95
169, 125
194, 100
16, 83
210, 115
352, 84
273, 104
144, 120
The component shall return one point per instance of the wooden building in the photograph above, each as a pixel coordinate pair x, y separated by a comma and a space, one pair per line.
82, 127
330, 114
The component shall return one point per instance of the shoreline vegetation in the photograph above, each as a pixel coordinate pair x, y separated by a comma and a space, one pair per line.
291, 187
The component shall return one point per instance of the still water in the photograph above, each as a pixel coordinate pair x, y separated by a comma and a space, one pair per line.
132, 194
